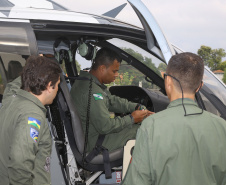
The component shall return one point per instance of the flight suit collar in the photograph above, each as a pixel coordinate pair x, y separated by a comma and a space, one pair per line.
32, 98
96, 81
178, 102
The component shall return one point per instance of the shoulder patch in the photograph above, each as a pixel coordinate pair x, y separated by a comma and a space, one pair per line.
98, 96
34, 134
32, 121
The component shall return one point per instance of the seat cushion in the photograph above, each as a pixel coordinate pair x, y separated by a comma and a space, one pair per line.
114, 155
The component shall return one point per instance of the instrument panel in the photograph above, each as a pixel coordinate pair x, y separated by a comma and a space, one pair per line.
154, 101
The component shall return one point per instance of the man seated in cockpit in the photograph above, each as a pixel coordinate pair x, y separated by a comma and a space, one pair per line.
117, 130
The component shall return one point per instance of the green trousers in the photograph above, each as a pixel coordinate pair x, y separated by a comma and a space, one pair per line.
117, 140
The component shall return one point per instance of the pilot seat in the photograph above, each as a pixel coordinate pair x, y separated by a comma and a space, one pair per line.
76, 137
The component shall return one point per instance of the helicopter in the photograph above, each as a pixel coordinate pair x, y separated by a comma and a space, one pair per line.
73, 39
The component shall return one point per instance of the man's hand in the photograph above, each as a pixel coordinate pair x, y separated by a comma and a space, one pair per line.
139, 115
149, 113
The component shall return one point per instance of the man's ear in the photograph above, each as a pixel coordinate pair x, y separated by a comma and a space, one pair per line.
49, 87
102, 68
200, 86
169, 82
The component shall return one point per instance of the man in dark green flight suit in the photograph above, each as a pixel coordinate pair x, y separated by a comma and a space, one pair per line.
118, 129
182, 144
25, 139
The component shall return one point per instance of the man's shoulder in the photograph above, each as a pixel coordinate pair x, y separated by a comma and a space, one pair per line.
168, 117
27, 106
214, 117
84, 86
21, 108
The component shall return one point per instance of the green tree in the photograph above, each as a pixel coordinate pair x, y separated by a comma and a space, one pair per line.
222, 66
148, 62
128, 75
162, 67
205, 53
135, 54
217, 55
137, 76
124, 79
211, 57
145, 60
224, 77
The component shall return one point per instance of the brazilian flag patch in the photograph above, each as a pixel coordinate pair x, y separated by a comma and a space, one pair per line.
98, 96
34, 134
32, 121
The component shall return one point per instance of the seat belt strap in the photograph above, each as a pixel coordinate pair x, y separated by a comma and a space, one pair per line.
100, 140
97, 149
100, 149
107, 165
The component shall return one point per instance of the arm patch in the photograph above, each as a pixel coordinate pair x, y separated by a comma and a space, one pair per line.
34, 134
32, 121
98, 96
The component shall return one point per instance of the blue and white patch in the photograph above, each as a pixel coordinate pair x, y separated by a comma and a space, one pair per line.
34, 134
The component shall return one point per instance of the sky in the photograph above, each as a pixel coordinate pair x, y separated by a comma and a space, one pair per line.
186, 24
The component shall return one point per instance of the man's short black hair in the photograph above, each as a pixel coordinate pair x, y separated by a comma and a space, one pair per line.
105, 56
188, 68
37, 74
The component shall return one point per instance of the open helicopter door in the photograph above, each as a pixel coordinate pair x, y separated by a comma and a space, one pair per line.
156, 41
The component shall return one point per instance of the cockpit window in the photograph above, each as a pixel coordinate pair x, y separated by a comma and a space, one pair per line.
215, 85
140, 54
12, 65
209, 106
128, 75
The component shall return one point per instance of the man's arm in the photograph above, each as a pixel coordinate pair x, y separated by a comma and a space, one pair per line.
120, 105
24, 149
139, 171
42, 159
104, 124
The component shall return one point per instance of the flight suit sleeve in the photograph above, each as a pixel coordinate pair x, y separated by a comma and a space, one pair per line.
120, 105
140, 170
42, 158
26, 151
103, 123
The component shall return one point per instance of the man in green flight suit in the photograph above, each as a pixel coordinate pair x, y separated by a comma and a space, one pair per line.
25, 139
117, 130
182, 144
